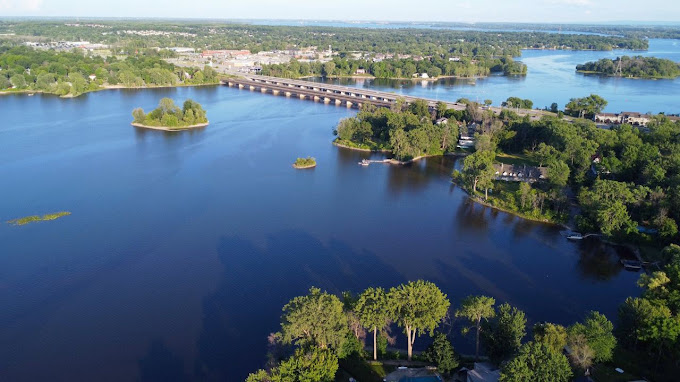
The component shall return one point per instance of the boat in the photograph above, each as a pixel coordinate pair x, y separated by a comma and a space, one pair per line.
31, 94
575, 236
631, 265
364, 162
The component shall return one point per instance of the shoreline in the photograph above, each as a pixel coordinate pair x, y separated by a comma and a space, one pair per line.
357, 77
104, 87
164, 128
590, 72
303, 167
396, 161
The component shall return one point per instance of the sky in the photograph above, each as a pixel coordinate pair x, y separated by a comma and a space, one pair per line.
536, 11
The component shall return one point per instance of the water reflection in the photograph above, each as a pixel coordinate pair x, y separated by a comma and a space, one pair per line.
599, 261
258, 281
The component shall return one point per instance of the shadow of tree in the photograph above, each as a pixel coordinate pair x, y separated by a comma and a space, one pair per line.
257, 282
161, 365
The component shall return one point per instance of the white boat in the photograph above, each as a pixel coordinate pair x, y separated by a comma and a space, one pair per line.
364, 162
575, 236
31, 94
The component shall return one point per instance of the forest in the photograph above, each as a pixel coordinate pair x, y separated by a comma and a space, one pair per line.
434, 67
634, 67
76, 72
408, 131
323, 335
124, 35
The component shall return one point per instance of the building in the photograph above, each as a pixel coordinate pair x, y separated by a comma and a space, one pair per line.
361, 71
481, 372
519, 173
442, 121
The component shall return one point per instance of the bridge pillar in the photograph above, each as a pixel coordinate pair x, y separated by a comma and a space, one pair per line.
240, 86
288, 94
338, 102
349, 104
252, 87
302, 96
275, 92
316, 98
229, 84
326, 100
263, 90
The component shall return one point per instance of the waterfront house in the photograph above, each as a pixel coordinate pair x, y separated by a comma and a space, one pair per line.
361, 71
481, 372
519, 173
92, 77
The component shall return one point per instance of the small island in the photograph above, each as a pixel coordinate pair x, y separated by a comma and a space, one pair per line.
632, 67
302, 163
38, 218
169, 117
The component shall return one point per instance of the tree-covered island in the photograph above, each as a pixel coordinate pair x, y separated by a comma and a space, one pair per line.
408, 131
302, 163
168, 116
632, 67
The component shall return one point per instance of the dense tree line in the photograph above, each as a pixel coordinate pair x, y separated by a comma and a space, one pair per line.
167, 114
74, 73
408, 131
637, 67
319, 330
399, 68
624, 177
214, 35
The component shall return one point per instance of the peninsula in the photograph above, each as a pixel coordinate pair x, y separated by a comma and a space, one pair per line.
169, 117
632, 67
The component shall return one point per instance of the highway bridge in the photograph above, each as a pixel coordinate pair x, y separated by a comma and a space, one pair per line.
319, 92
344, 95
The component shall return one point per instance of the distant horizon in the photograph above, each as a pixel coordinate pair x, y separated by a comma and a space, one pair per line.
445, 11
362, 21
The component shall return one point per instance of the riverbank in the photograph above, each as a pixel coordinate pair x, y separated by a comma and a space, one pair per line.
414, 79
603, 74
396, 161
104, 87
165, 128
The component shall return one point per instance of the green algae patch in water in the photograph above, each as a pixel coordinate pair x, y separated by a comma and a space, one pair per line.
37, 218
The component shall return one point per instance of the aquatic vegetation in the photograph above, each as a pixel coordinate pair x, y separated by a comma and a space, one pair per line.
38, 218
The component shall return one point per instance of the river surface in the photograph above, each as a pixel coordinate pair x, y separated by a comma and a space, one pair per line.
552, 77
182, 247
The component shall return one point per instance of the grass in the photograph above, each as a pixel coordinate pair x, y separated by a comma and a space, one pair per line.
37, 218
362, 370
516, 159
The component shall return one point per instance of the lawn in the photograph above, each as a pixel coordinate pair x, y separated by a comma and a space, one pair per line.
516, 159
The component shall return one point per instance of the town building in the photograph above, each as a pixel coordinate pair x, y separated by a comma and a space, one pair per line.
520, 173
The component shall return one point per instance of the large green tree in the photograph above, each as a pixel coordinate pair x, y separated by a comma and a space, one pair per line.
586, 106
476, 309
418, 306
374, 313
314, 319
441, 353
551, 335
502, 336
536, 363
597, 330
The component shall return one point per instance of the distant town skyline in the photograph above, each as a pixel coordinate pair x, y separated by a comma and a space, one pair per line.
525, 11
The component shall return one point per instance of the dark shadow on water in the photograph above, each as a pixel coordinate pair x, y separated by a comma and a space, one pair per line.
599, 261
161, 365
257, 282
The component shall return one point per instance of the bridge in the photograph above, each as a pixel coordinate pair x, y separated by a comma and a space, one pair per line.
319, 92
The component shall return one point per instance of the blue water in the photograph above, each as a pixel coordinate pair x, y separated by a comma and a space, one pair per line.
552, 78
182, 247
